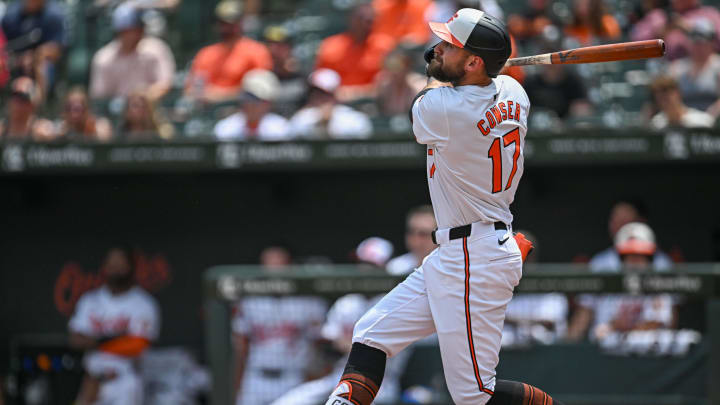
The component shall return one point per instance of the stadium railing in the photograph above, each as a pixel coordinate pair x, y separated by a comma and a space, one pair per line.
577, 373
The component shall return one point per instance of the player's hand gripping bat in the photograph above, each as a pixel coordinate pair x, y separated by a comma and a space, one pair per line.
652, 48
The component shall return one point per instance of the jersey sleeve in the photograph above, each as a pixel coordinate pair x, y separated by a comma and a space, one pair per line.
429, 118
80, 320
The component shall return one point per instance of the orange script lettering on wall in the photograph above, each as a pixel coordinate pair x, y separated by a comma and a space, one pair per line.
151, 273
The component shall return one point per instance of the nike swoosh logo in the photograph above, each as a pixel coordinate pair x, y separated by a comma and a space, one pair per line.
502, 242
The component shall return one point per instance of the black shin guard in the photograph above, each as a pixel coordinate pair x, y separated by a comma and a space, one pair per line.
363, 374
515, 393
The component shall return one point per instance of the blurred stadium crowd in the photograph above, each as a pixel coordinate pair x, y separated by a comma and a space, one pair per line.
106, 70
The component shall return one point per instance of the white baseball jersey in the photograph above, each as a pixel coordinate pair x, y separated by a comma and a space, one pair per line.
475, 137
281, 331
99, 313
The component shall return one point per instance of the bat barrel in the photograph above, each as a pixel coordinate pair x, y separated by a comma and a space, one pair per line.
653, 48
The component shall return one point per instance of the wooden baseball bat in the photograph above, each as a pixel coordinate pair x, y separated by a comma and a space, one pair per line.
653, 48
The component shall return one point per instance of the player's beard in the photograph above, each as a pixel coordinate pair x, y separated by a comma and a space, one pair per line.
448, 74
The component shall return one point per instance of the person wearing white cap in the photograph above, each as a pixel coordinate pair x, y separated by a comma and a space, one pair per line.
132, 61
324, 117
602, 315
374, 250
254, 119
608, 260
473, 121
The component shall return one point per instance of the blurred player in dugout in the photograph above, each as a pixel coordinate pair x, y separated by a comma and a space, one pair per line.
599, 316
273, 338
419, 225
337, 330
114, 324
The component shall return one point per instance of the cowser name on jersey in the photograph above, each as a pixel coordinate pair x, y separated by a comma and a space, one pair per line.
495, 115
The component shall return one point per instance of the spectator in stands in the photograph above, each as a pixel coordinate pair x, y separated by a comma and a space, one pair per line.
698, 75
21, 122
143, 4
535, 318
398, 83
560, 89
444, 10
217, 71
287, 69
532, 22
603, 315
254, 119
673, 112
132, 61
591, 23
142, 122
403, 20
35, 31
79, 123
673, 25
114, 325
273, 337
419, 224
357, 55
323, 116
621, 214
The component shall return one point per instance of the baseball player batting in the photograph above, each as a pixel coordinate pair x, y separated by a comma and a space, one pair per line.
474, 131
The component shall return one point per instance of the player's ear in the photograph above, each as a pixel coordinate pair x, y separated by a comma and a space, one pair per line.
474, 63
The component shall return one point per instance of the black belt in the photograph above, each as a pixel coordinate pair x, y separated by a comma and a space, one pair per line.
465, 231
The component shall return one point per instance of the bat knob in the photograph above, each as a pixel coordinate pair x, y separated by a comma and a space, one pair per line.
662, 45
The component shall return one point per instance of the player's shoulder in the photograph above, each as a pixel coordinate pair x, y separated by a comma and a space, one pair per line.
142, 297
435, 95
509, 84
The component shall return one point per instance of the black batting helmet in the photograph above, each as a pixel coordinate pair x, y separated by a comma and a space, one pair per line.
479, 33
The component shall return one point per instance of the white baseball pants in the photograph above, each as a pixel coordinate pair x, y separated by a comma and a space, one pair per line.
460, 291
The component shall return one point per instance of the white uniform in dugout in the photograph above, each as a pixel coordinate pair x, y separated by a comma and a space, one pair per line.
99, 313
475, 137
281, 333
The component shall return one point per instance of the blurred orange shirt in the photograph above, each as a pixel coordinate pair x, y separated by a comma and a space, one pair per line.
225, 67
356, 63
403, 20
584, 33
